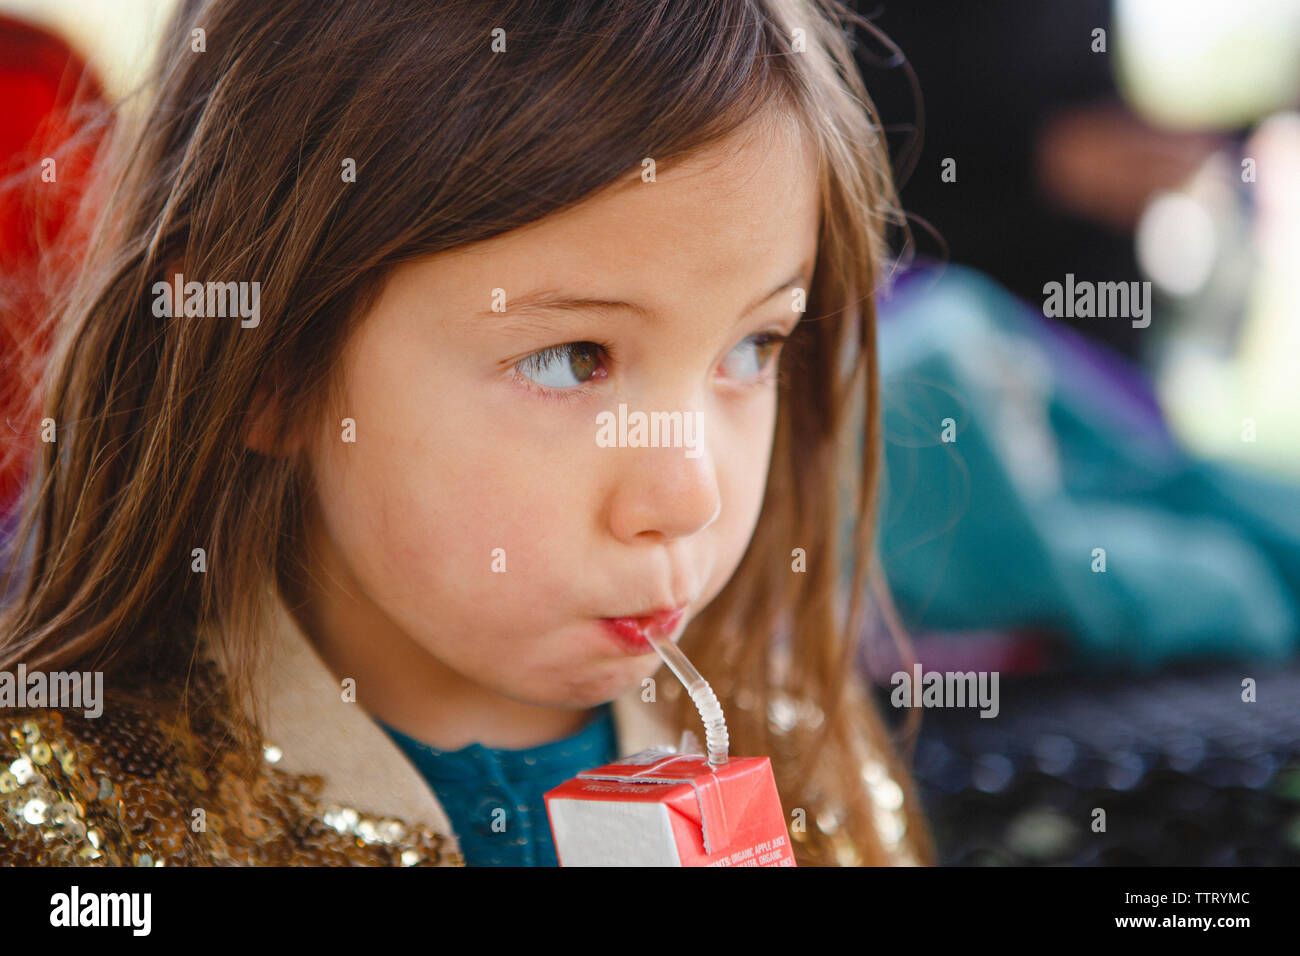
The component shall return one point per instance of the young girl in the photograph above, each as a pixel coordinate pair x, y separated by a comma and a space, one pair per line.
333, 500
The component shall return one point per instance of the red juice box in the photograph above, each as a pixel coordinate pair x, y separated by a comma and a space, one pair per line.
658, 808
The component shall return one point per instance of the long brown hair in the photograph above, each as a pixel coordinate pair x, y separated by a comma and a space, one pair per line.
233, 168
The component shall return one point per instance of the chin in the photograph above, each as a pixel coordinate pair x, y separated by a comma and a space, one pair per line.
584, 695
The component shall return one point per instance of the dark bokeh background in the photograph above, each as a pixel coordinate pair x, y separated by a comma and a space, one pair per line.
1054, 171
993, 76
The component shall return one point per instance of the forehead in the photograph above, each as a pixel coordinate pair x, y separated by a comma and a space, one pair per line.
744, 205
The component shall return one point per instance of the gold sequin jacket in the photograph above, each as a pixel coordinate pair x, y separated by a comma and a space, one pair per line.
129, 789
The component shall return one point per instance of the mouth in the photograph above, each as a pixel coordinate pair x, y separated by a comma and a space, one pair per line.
633, 633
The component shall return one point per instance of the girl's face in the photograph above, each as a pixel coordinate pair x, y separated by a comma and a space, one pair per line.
483, 523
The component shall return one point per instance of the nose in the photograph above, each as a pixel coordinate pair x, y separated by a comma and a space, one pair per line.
661, 492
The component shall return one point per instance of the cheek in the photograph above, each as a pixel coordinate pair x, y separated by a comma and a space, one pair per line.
453, 522
755, 455
435, 482
743, 483
428, 511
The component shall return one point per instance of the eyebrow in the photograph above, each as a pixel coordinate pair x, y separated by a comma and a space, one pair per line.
550, 300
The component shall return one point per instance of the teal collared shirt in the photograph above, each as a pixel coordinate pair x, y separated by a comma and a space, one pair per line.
494, 797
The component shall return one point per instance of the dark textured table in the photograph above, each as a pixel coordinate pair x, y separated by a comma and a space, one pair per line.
1186, 772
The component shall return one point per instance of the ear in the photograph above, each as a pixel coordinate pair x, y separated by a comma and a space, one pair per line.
263, 416
175, 267
265, 408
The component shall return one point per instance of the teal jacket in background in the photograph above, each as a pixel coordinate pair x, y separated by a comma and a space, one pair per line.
1060, 459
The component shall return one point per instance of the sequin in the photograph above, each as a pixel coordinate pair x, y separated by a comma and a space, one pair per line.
888, 794
123, 790
890, 826
846, 853
782, 714
34, 811
63, 813
22, 770
828, 821
67, 760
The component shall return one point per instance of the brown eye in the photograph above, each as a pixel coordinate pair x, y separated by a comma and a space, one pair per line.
751, 357
562, 366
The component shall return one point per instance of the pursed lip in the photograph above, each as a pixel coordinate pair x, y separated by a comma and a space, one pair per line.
662, 620
635, 631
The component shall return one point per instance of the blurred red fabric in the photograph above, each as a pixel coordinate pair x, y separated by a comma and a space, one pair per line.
45, 90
